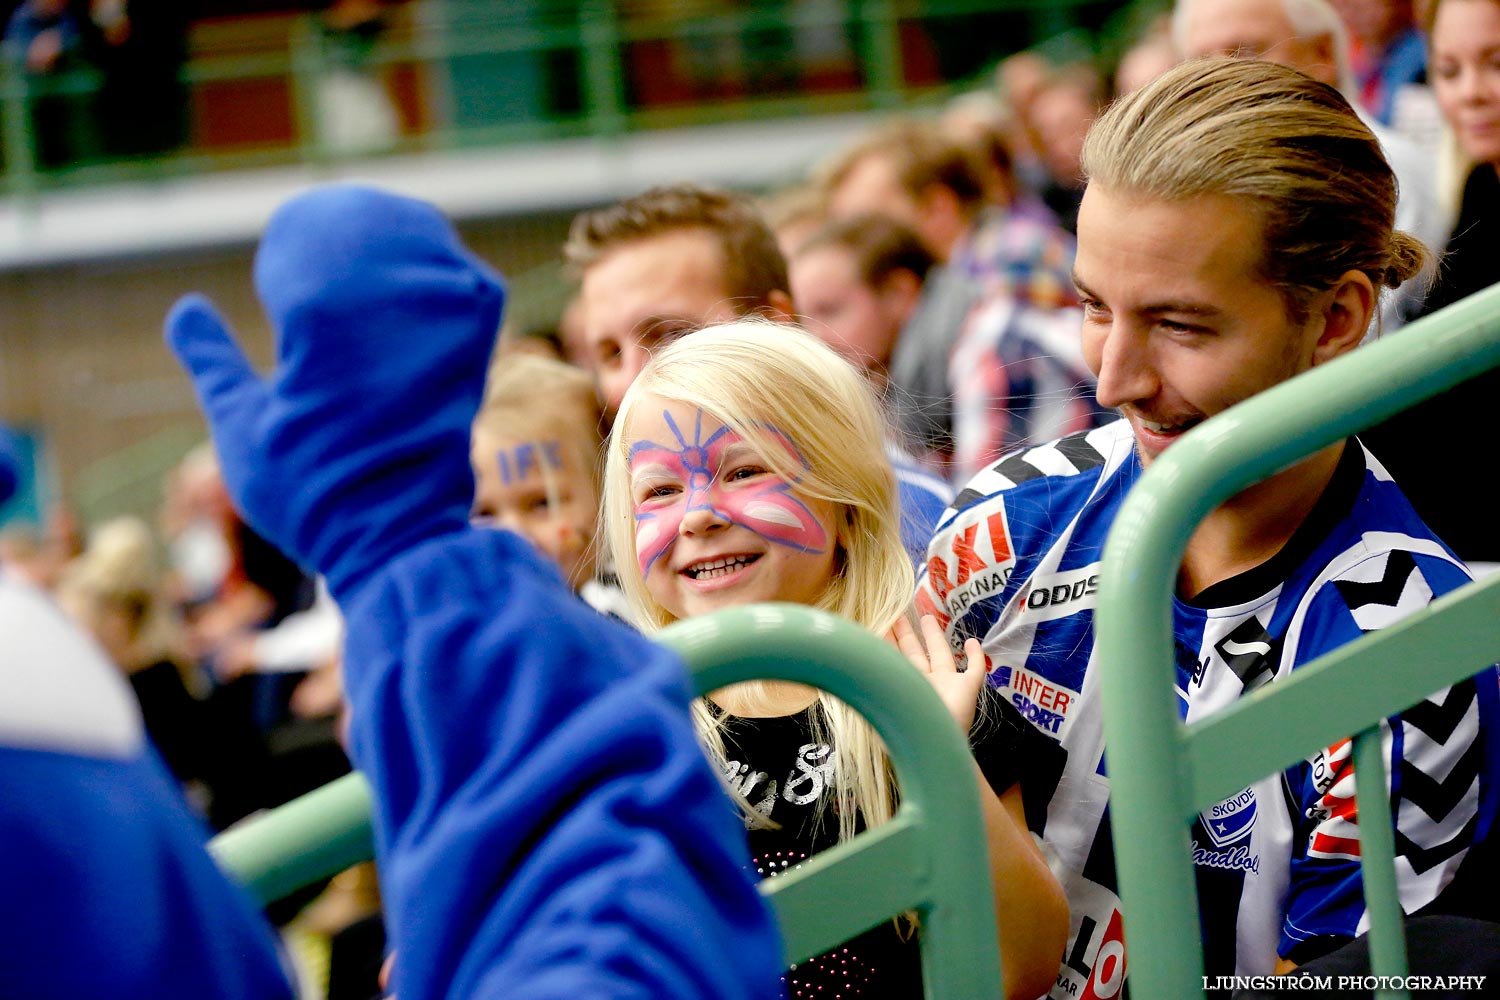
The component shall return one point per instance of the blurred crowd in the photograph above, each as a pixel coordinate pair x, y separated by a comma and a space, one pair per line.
231, 650
137, 49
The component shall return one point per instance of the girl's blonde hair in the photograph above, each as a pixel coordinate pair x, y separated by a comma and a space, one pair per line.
527, 394
117, 574
760, 378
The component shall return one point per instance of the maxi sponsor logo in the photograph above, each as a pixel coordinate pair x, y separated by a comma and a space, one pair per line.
978, 566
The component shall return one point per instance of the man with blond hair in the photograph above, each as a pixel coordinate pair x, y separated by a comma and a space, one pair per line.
1236, 231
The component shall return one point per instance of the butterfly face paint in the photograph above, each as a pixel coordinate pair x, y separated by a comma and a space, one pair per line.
722, 474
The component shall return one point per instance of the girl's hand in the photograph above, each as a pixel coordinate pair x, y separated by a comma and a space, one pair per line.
931, 654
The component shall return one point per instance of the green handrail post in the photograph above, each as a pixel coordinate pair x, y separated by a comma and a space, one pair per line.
312, 837
1162, 772
308, 65
20, 141
880, 52
1382, 896
603, 76
929, 857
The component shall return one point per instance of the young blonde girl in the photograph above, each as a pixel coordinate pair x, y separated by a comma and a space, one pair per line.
535, 449
746, 464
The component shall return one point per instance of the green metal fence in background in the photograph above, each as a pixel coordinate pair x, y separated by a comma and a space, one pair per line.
1162, 772
479, 73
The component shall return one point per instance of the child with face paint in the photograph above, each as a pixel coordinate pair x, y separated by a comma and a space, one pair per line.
746, 465
535, 451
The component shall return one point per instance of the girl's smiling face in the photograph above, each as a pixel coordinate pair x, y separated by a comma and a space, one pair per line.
715, 526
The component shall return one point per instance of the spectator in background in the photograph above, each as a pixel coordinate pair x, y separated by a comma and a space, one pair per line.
1307, 35
235, 590
662, 264
1148, 57
1425, 447
228, 579
356, 114
981, 122
1019, 77
1016, 373
1060, 115
1465, 38
856, 282
1387, 53
43, 39
42, 34
535, 450
908, 169
912, 172
113, 591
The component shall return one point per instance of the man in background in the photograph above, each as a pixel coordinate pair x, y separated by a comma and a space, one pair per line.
1308, 35
672, 260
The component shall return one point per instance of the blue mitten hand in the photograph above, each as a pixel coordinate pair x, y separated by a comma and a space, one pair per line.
356, 448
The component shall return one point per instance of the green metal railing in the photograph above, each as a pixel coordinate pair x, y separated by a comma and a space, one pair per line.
1162, 772
584, 44
310, 838
924, 859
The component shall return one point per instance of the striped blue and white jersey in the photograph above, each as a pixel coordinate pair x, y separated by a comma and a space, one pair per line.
1016, 563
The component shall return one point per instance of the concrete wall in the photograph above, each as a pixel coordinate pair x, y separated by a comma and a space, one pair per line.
83, 364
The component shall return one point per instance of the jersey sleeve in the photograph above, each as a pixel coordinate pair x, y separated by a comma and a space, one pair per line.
1007, 747
1441, 763
546, 822
107, 885
923, 499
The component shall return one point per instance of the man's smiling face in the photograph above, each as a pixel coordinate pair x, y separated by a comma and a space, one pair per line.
1179, 323
643, 295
